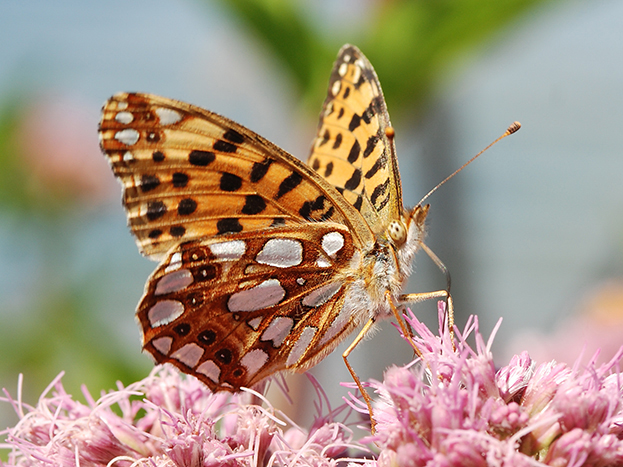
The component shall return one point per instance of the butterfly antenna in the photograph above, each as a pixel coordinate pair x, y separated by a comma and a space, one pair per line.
513, 128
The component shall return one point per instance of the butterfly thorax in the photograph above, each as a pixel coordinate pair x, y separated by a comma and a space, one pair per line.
388, 264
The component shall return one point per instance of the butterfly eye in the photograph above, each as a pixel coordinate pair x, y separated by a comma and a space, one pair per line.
397, 232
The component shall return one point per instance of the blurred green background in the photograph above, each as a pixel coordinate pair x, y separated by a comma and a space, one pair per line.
533, 231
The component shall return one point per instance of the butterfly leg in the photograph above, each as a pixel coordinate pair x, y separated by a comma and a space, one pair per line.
420, 297
345, 355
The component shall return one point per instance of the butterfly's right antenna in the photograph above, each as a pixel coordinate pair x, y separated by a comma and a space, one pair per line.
513, 128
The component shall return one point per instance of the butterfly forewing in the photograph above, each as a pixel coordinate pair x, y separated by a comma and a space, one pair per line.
235, 309
190, 174
352, 150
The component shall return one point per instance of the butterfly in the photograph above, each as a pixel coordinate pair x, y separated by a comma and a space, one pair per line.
265, 263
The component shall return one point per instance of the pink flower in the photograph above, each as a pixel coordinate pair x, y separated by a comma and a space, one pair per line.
452, 408
456, 410
165, 420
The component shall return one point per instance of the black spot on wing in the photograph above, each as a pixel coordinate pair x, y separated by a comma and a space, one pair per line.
155, 210
358, 202
353, 155
228, 225
383, 203
254, 204
224, 146
378, 192
230, 182
355, 121
378, 164
360, 81
310, 206
186, 206
288, 184
259, 170
353, 182
157, 156
201, 158
149, 182
233, 136
328, 170
373, 109
277, 221
177, 231
325, 137
327, 215
179, 179
338, 141
371, 144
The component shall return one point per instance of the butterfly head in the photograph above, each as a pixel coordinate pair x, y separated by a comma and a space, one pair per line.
410, 227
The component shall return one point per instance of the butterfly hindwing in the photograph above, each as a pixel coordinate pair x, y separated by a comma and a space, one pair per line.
235, 309
352, 149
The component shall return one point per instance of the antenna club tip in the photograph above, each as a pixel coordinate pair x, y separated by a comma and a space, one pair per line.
513, 128
390, 132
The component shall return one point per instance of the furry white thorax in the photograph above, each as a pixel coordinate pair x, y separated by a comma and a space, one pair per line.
388, 267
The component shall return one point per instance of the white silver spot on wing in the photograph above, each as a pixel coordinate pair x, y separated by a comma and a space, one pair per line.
255, 323
167, 116
124, 117
175, 262
209, 369
278, 330
301, 345
254, 360
338, 324
228, 251
174, 282
163, 344
332, 242
267, 294
189, 355
127, 136
128, 156
281, 253
356, 73
335, 89
122, 105
323, 262
300, 281
322, 295
342, 69
164, 312
329, 109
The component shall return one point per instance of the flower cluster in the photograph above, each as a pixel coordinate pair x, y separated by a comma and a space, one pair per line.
457, 410
450, 407
165, 420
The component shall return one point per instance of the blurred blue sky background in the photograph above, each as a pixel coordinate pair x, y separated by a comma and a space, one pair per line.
533, 231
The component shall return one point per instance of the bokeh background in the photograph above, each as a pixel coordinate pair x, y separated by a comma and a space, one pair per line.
531, 232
